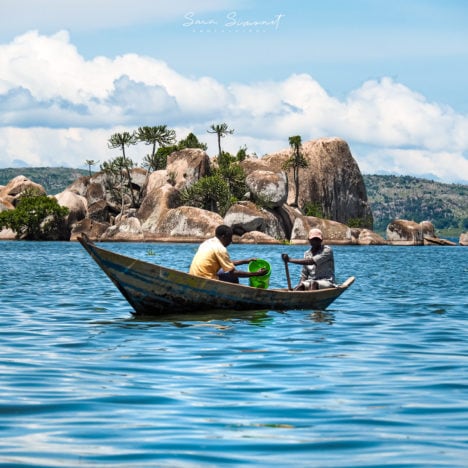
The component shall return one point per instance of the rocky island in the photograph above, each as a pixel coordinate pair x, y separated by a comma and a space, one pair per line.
331, 188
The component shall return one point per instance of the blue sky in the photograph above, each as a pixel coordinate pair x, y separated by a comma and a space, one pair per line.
388, 77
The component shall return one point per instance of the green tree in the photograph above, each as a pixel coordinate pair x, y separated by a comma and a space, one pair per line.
221, 189
158, 161
313, 209
90, 163
117, 181
232, 172
34, 218
210, 193
242, 153
221, 131
121, 140
296, 162
158, 135
191, 141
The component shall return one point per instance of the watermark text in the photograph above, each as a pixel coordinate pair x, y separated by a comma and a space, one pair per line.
232, 21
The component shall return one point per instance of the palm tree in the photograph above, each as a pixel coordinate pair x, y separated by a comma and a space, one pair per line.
221, 130
296, 161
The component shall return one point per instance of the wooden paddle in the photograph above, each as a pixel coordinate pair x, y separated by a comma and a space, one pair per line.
286, 267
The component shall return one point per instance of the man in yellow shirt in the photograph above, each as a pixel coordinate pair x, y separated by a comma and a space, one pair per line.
212, 259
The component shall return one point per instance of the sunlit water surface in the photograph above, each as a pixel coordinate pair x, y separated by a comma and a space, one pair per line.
378, 379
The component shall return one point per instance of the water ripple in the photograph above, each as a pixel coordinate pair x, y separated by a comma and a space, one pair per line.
378, 379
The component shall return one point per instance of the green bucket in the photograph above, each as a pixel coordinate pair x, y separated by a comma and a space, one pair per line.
260, 281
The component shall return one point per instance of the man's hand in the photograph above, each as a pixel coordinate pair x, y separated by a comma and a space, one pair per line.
261, 272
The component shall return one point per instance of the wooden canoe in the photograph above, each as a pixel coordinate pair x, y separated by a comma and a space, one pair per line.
155, 290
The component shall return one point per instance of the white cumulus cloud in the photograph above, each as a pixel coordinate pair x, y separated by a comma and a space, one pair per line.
58, 108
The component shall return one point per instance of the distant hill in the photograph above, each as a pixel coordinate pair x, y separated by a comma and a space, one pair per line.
390, 197
405, 197
53, 179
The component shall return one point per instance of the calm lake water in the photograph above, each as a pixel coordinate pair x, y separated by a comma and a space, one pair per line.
379, 379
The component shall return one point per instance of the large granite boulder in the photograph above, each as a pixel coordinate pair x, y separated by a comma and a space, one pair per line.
139, 177
463, 238
246, 217
156, 180
76, 204
332, 180
255, 237
95, 192
333, 231
187, 222
155, 205
80, 185
93, 229
366, 237
5, 205
12, 192
127, 228
405, 232
7, 234
99, 211
187, 166
268, 187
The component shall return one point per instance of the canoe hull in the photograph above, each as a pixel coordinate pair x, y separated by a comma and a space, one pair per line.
156, 290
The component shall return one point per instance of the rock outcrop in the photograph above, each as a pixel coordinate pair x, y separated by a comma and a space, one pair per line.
188, 223
331, 181
12, 192
331, 184
127, 227
268, 187
437, 241
7, 234
333, 231
187, 166
463, 240
367, 237
94, 229
76, 204
246, 217
404, 232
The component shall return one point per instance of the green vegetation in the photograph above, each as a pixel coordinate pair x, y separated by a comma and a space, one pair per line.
405, 197
53, 179
296, 162
119, 182
210, 193
359, 222
313, 209
225, 186
163, 137
191, 141
220, 190
390, 197
221, 131
34, 218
